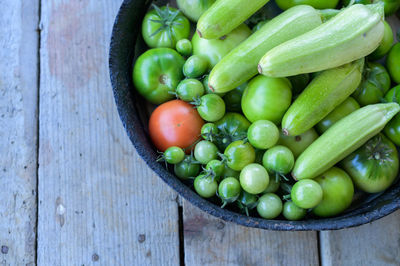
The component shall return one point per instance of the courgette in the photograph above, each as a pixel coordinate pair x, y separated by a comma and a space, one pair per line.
326, 91
344, 137
352, 34
240, 64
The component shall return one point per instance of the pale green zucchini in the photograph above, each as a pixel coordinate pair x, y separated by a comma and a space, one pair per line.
344, 137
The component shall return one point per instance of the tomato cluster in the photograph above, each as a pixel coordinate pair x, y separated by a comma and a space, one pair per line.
231, 146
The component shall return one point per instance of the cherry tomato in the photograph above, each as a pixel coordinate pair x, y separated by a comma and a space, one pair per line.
263, 134
205, 186
239, 154
292, 212
184, 47
211, 107
297, 144
338, 191
269, 206
393, 63
246, 202
273, 185
187, 168
205, 151
209, 132
278, 159
385, 45
216, 167
306, 193
229, 190
189, 89
175, 123
254, 178
232, 127
174, 155
392, 129
195, 66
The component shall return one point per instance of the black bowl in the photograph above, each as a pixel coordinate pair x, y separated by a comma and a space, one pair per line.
132, 110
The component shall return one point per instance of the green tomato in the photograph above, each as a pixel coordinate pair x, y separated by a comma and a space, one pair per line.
184, 47
187, 168
195, 66
246, 202
263, 134
211, 107
213, 50
374, 166
254, 178
189, 89
205, 186
232, 127
385, 45
229, 190
233, 98
375, 84
299, 82
342, 110
209, 131
269, 206
266, 99
193, 9
392, 129
205, 151
157, 73
278, 159
208, 89
338, 191
318, 4
292, 212
239, 154
174, 155
306, 193
273, 185
216, 167
393, 63
163, 27
297, 144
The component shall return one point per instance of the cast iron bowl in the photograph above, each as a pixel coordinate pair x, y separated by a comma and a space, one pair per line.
125, 46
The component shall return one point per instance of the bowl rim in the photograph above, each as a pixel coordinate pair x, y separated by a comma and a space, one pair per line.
122, 90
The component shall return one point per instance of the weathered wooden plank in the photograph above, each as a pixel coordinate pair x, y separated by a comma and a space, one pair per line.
18, 130
98, 201
211, 241
377, 243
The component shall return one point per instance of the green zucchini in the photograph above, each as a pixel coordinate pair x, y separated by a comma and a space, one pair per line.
321, 96
225, 15
344, 137
352, 34
240, 64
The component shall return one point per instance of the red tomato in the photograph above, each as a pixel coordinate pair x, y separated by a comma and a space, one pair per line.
175, 123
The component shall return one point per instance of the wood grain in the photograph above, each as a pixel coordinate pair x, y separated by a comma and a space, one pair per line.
211, 241
98, 202
18, 130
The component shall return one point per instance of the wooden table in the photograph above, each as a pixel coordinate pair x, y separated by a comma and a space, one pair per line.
75, 192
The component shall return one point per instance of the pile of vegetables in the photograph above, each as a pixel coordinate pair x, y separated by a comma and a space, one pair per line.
288, 118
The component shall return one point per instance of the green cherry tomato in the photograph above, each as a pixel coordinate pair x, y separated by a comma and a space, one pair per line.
205, 186
246, 202
278, 159
338, 191
174, 155
392, 129
375, 84
195, 66
208, 89
157, 73
193, 9
318, 4
393, 63
213, 50
216, 167
233, 98
374, 166
211, 107
239, 154
205, 151
209, 131
254, 178
306, 193
163, 27
297, 144
232, 127
263, 134
269, 206
299, 83
385, 45
292, 212
273, 185
187, 168
229, 172
189, 89
184, 47
266, 99
342, 110
229, 190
